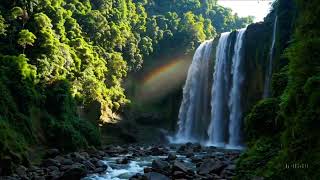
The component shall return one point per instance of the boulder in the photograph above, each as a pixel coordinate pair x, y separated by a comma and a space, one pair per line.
156, 151
85, 155
21, 171
53, 168
66, 162
195, 159
160, 165
65, 167
138, 176
99, 170
124, 160
197, 148
171, 157
51, 153
74, 173
147, 170
156, 176
211, 166
54, 174
78, 165
77, 157
178, 174
179, 166
102, 164
88, 165
189, 154
50, 162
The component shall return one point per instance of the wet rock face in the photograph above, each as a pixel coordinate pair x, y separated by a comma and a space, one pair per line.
188, 161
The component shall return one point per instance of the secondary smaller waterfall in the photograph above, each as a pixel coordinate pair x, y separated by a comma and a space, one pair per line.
266, 92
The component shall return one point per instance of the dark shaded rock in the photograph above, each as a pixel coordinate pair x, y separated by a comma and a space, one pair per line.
217, 155
88, 165
77, 157
178, 174
211, 166
156, 151
50, 162
138, 176
156, 176
195, 159
147, 170
182, 148
78, 165
171, 157
94, 160
115, 150
160, 165
197, 148
51, 153
65, 167
6, 166
99, 170
189, 154
21, 171
66, 162
124, 160
231, 167
85, 155
33, 168
179, 166
100, 163
55, 174
39, 178
53, 168
74, 173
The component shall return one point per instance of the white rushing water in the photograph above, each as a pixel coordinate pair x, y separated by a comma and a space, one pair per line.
216, 129
235, 116
267, 83
214, 118
194, 106
121, 171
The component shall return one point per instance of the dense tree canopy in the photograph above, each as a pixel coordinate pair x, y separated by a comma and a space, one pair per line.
60, 56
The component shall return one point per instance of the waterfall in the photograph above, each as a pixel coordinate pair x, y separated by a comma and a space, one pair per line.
266, 92
217, 126
194, 111
235, 94
211, 109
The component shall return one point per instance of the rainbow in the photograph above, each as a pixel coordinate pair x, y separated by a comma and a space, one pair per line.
162, 80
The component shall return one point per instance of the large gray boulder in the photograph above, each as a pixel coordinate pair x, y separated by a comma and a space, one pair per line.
156, 176
211, 166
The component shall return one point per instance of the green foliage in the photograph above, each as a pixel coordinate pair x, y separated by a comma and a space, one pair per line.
3, 26
296, 88
261, 121
258, 160
279, 81
77, 53
26, 38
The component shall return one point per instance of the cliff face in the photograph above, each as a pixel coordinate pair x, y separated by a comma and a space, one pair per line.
280, 130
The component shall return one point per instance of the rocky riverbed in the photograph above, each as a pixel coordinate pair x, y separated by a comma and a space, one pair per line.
134, 162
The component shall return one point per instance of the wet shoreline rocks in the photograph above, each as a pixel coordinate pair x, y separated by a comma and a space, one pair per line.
187, 161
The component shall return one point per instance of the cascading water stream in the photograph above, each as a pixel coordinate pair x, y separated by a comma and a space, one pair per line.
266, 92
235, 94
216, 129
193, 110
